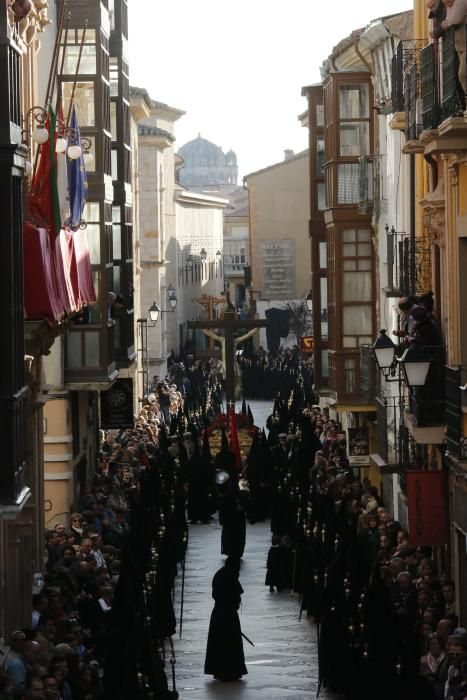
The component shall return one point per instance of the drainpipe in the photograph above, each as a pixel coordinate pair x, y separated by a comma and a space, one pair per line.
412, 287
361, 57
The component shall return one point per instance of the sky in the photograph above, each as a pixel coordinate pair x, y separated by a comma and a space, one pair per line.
237, 68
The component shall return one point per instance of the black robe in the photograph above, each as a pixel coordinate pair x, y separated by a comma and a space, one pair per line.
232, 519
225, 659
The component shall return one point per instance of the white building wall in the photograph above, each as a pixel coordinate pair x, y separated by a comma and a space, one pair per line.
199, 224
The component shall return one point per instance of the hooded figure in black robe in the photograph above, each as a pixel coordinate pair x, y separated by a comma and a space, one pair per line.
225, 659
200, 487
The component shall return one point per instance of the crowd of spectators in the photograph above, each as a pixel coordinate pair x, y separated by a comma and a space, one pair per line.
60, 655
386, 609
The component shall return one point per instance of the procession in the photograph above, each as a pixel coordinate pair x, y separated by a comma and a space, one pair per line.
233, 391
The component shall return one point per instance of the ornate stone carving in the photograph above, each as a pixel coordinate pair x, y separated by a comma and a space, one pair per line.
434, 215
27, 17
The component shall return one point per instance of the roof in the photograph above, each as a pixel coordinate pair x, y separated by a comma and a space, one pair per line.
154, 104
297, 156
201, 152
148, 130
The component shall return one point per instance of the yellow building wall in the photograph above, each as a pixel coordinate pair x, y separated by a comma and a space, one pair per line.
58, 460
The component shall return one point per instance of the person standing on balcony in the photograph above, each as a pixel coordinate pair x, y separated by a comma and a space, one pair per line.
437, 12
406, 306
455, 17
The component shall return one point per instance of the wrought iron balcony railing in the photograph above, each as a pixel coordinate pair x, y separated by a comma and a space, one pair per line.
409, 264
456, 400
441, 90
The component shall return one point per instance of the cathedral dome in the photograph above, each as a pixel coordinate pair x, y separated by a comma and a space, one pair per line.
201, 152
204, 163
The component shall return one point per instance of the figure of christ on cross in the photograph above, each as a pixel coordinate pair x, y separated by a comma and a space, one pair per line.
229, 324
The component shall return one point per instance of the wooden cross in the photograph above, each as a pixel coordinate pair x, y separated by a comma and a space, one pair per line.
229, 324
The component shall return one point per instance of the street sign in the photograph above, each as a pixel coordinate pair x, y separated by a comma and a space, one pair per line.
306, 343
358, 446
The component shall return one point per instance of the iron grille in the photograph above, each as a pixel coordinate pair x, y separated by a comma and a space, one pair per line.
429, 87
456, 377
369, 184
412, 62
452, 102
367, 373
397, 79
382, 427
400, 253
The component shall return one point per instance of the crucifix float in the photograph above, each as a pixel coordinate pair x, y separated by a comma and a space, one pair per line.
229, 324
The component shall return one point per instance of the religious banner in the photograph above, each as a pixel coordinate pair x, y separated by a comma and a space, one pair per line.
358, 445
278, 269
306, 343
117, 406
427, 505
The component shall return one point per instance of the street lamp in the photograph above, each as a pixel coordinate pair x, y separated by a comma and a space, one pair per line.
385, 353
415, 364
203, 254
220, 258
154, 312
309, 302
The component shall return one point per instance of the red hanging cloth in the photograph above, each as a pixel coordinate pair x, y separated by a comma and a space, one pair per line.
41, 299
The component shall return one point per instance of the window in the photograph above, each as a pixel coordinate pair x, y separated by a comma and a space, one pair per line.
323, 255
113, 72
93, 231
319, 115
348, 183
354, 139
116, 234
321, 196
112, 14
325, 363
83, 100
357, 287
320, 155
323, 290
114, 164
113, 120
87, 63
354, 101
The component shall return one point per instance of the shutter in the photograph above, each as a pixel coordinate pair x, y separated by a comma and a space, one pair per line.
429, 88
451, 104
397, 79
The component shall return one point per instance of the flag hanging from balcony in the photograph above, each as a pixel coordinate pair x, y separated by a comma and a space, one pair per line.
62, 177
77, 180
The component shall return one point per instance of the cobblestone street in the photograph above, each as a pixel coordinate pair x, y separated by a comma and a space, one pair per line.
283, 662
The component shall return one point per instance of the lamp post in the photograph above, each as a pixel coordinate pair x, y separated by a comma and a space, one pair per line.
143, 324
220, 259
188, 267
412, 366
309, 302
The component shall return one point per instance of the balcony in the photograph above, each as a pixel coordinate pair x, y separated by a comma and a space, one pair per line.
442, 101
13, 488
408, 264
426, 414
352, 377
90, 358
456, 408
367, 373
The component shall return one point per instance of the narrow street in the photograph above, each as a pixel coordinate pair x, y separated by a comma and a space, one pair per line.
283, 662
